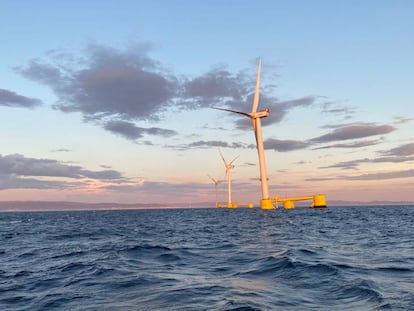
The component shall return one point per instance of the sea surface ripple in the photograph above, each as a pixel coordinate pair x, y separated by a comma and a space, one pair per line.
339, 258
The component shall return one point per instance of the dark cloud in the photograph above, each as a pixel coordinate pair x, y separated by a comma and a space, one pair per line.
401, 154
118, 88
393, 159
110, 83
354, 131
370, 176
109, 86
278, 109
302, 162
217, 86
19, 165
284, 145
11, 99
403, 150
354, 164
317, 179
383, 176
130, 131
61, 150
334, 108
217, 143
53, 76
15, 182
356, 144
347, 165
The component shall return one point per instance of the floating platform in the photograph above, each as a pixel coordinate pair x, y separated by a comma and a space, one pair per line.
234, 205
318, 201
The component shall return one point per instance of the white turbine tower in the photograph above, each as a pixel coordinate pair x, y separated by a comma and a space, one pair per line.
229, 166
256, 116
216, 183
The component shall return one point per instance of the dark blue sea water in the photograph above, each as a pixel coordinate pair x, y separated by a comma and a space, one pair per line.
343, 258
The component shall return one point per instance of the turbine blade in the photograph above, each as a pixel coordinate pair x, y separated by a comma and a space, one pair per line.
256, 91
233, 160
225, 163
214, 181
234, 111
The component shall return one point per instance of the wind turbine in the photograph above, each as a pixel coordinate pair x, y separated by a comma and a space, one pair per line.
256, 117
229, 166
216, 182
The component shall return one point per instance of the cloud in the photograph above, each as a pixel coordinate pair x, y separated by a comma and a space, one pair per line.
15, 182
383, 176
216, 143
111, 83
347, 165
11, 99
60, 150
116, 88
284, 145
403, 150
354, 131
130, 131
218, 86
356, 144
355, 163
393, 159
19, 165
108, 86
333, 108
370, 176
278, 109
402, 120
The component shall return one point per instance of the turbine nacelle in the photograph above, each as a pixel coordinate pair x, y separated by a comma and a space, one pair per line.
252, 115
215, 181
229, 167
260, 114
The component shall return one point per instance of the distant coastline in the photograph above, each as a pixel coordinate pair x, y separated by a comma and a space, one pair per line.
38, 206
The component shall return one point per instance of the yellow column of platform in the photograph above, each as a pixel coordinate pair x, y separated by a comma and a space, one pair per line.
319, 200
289, 204
266, 204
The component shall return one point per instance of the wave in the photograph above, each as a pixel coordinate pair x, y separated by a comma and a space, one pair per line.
208, 260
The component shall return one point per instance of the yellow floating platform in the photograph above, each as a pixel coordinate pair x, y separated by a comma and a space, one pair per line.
234, 205
318, 201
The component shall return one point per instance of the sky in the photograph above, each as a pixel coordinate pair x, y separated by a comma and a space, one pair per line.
111, 101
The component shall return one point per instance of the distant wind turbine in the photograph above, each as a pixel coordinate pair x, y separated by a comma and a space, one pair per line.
256, 117
229, 166
216, 183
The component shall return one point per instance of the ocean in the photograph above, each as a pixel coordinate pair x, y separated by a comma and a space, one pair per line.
338, 258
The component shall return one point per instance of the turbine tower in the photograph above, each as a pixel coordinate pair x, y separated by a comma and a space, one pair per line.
256, 117
216, 182
229, 167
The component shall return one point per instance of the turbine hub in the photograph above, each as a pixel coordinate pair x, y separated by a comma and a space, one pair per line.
261, 114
